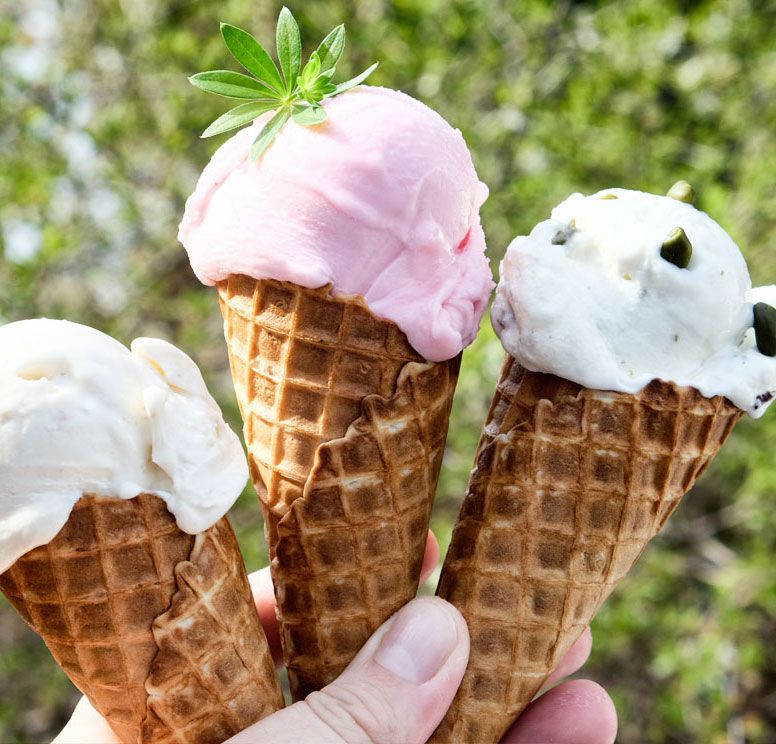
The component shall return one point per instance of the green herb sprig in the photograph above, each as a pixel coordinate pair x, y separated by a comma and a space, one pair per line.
292, 91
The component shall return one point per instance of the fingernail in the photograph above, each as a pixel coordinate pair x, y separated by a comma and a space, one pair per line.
418, 643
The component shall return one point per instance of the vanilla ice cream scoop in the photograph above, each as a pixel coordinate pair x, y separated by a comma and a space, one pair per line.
622, 287
80, 413
382, 201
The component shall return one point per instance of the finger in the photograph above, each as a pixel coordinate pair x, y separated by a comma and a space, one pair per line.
573, 660
264, 596
86, 726
430, 557
575, 712
397, 688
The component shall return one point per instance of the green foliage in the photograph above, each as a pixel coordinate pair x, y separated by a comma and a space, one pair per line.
293, 91
100, 150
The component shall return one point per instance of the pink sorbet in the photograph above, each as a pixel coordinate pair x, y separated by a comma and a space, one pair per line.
381, 200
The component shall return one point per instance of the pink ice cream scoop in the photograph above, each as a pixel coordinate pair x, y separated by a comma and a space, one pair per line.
381, 200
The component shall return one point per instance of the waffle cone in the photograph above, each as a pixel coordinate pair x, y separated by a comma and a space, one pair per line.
569, 486
346, 426
156, 627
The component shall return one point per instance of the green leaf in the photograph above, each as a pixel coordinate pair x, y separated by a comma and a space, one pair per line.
239, 116
313, 96
311, 71
289, 44
289, 89
330, 49
269, 132
353, 82
232, 85
321, 83
309, 115
252, 56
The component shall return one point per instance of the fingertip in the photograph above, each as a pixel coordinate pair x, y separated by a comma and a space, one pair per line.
459, 658
86, 726
575, 712
462, 629
264, 598
604, 720
454, 612
398, 687
261, 585
423, 624
421, 658
430, 557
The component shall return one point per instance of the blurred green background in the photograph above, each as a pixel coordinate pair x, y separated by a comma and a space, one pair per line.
99, 149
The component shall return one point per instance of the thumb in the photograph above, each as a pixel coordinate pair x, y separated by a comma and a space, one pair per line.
396, 690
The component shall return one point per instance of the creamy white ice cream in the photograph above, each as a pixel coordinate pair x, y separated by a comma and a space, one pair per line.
588, 297
81, 413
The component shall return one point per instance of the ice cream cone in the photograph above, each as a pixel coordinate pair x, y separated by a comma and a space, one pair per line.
346, 426
155, 626
569, 486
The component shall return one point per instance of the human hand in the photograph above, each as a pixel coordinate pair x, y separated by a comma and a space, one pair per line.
399, 686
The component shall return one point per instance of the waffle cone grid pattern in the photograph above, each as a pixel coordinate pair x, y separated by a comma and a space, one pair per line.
302, 361
349, 552
345, 426
214, 675
569, 486
93, 594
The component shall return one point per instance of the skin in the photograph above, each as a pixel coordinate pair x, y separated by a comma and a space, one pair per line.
371, 702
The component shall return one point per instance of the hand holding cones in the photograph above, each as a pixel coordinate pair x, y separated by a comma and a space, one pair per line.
346, 246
